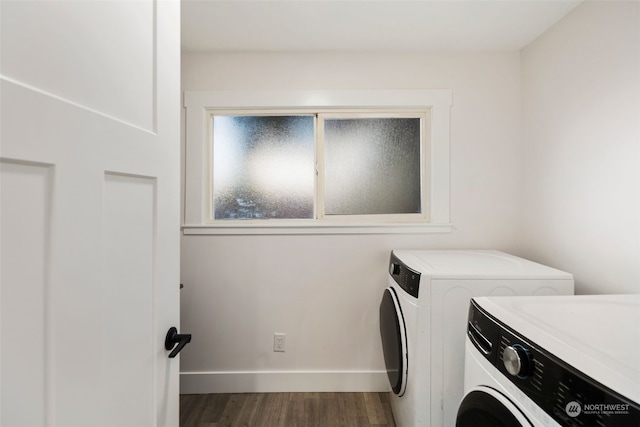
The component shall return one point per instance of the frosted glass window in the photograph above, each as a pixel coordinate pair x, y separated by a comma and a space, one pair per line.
390, 175
372, 166
263, 167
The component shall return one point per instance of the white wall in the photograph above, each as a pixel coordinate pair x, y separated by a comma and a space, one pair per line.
324, 291
581, 121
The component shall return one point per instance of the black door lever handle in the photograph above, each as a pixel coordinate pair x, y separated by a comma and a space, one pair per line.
173, 338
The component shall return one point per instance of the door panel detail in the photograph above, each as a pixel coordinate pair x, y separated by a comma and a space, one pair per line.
24, 292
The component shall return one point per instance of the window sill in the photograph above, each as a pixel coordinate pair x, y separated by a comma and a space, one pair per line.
326, 228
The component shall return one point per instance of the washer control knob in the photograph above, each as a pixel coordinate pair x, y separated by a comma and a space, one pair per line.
394, 269
517, 361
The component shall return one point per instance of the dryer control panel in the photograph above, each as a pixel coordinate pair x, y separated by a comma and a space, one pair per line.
568, 395
405, 277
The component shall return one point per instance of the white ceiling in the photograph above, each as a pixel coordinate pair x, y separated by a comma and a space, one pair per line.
366, 25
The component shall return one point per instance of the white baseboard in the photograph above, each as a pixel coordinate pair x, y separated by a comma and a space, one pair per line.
285, 381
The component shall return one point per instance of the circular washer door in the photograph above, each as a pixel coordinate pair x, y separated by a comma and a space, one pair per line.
486, 407
394, 340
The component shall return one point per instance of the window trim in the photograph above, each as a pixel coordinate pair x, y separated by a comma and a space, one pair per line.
199, 105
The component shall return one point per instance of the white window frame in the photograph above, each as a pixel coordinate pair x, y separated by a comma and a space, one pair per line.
199, 106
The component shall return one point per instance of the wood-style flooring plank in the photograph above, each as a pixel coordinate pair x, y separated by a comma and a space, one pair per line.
271, 411
375, 410
385, 401
286, 410
294, 415
232, 411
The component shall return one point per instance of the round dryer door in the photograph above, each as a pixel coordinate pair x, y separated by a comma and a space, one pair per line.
394, 340
485, 407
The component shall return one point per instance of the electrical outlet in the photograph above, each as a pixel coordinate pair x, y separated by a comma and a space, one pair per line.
278, 342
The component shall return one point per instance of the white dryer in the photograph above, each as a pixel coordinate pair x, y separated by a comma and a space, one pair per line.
552, 361
423, 317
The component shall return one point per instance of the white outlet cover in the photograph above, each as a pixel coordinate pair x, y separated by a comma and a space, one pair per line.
278, 342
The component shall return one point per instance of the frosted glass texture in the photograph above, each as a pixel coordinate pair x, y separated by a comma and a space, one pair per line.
372, 166
263, 167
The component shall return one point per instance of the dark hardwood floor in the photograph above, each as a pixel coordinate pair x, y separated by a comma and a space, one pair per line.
286, 410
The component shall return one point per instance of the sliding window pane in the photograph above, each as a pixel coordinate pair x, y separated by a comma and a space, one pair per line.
263, 167
372, 166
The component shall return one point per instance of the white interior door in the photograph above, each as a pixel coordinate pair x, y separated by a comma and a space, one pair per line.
89, 212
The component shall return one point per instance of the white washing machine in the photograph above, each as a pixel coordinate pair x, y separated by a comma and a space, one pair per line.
552, 361
423, 317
